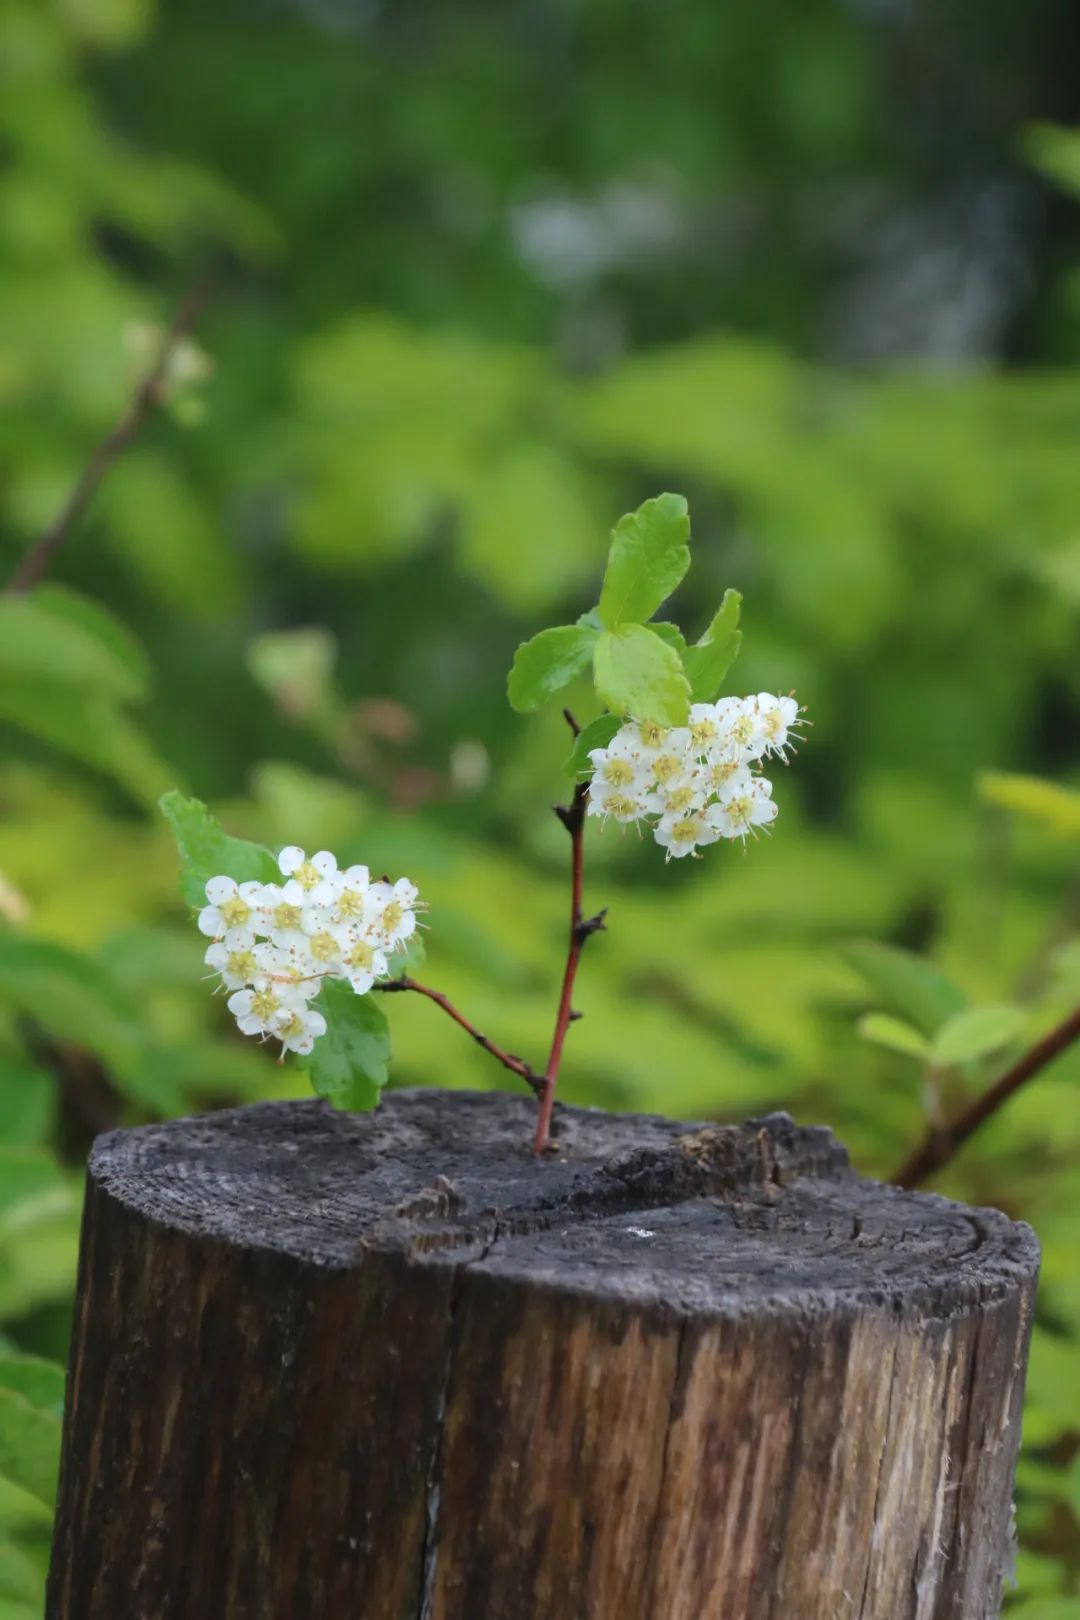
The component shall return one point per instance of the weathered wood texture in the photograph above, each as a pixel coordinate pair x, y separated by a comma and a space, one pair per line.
389, 1367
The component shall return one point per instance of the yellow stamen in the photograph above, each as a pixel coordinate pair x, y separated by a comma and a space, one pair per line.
667, 766
241, 964
235, 912
619, 805
681, 799
286, 916
350, 904
686, 830
307, 875
392, 916
264, 1004
323, 947
289, 1031
619, 772
361, 955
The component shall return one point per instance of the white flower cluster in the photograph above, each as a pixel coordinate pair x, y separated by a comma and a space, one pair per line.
700, 781
275, 943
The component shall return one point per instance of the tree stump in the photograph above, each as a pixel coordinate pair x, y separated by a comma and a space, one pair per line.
390, 1367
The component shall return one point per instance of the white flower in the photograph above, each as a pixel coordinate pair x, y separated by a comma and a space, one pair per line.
232, 905
310, 881
704, 727
738, 735
257, 1010
389, 912
739, 815
276, 915
684, 793
363, 963
641, 738
774, 719
617, 768
622, 806
680, 834
730, 780
670, 761
350, 894
292, 967
234, 957
298, 1030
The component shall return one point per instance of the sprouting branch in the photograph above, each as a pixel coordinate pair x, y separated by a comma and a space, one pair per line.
572, 816
508, 1060
38, 560
942, 1143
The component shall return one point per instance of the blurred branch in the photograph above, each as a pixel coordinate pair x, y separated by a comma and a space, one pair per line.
942, 1143
38, 560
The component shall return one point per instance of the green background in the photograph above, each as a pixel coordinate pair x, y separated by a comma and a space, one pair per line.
485, 278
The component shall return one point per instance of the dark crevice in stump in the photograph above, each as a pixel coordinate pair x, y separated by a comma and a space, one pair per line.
391, 1367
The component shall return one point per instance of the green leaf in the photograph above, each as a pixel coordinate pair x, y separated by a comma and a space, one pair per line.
597, 734
638, 674
349, 1063
56, 635
708, 661
207, 851
914, 987
547, 663
86, 724
70, 996
671, 634
1054, 807
1055, 150
29, 1445
895, 1034
40, 1382
976, 1032
649, 555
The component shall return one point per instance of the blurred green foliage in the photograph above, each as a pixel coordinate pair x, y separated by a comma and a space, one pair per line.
487, 279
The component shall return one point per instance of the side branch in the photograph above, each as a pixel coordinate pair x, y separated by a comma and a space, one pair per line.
572, 816
38, 560
942, 1143
516, 1065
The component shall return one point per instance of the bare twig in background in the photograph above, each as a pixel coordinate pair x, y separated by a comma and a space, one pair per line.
35, 565
941, 1144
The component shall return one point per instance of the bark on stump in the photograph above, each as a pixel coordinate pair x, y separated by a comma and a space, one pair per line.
389, 1367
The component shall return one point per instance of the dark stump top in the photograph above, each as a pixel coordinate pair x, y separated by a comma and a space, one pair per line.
700, 1219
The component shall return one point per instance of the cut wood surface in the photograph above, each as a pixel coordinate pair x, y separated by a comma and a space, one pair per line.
391, 1367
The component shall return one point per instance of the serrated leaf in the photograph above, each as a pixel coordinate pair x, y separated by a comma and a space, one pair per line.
708, 661
547, 663
976, 1032
894, 1033
638, 674
913, 986
671, 634
597, 734
207, 851
649, 555
349, 1063
29, 1445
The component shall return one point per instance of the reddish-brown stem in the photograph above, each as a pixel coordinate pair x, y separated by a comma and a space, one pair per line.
941, 1144
35, 565
516, 1065
572, 816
